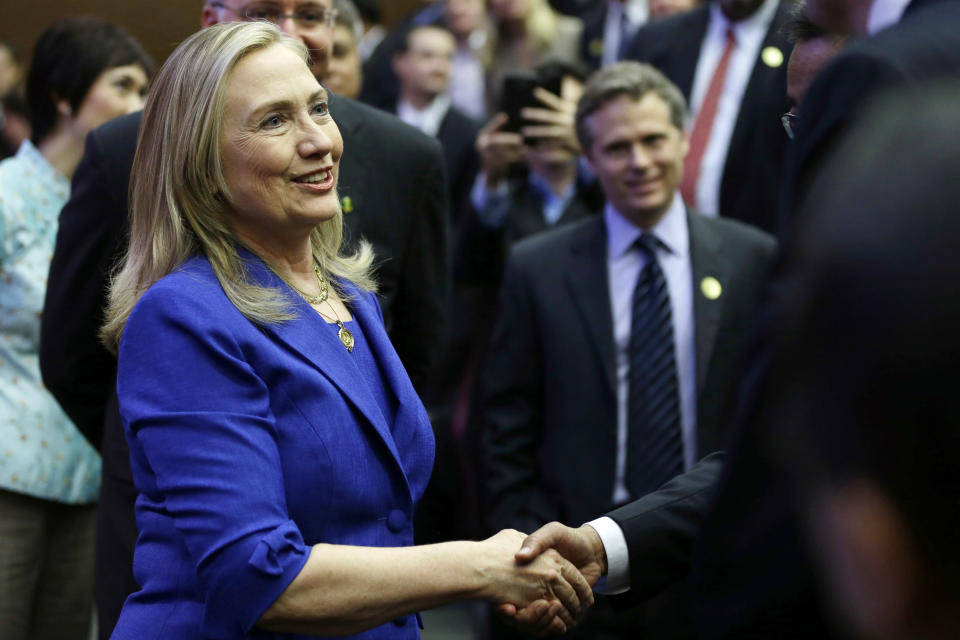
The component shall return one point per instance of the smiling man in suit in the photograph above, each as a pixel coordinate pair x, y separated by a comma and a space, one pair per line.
728, 58
392, 190
618, 335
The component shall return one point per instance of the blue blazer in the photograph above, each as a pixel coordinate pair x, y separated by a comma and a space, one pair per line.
249, 444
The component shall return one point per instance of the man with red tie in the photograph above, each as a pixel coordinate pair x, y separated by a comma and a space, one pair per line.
728, 57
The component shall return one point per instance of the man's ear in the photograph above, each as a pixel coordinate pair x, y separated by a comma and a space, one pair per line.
868, 559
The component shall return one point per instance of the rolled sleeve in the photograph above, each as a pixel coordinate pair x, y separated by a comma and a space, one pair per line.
204, 449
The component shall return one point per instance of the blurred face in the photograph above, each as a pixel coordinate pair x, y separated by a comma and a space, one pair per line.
115, 92
344, 70
463, 17
317, 38
425, 68
637, 155
509, 10
279, 147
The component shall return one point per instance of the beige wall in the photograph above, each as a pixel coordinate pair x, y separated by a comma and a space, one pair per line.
159, 25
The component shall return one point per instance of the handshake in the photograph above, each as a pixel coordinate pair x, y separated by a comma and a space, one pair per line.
546, 585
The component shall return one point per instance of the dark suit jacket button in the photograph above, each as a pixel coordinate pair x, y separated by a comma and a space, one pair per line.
396, 520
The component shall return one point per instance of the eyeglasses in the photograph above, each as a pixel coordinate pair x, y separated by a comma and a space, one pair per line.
789, 121
307, 17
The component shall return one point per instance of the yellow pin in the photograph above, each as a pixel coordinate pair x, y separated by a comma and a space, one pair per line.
772, 57
710, 287
346, 204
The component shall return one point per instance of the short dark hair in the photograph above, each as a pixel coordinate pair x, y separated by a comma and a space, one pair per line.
552, 71
631, 79
799, 27
404, 45
68, 58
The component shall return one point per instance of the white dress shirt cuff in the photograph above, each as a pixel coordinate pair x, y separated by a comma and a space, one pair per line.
617, 579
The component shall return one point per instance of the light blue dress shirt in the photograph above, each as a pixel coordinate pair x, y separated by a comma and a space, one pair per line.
624, 264
41, 452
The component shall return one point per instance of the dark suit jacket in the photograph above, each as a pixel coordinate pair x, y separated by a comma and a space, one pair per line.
749, 189
549, 387
458, 137
751, 574
315, 456
922, 47
591, 41
394, 178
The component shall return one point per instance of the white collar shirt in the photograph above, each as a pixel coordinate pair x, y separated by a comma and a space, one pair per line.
428, 119
885, 13
749, 35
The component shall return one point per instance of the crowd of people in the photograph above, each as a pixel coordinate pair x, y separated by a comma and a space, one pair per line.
326, 323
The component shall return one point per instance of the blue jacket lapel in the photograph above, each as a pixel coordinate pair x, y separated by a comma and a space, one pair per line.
307, 336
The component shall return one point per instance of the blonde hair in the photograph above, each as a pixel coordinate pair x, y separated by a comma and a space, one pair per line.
177, 188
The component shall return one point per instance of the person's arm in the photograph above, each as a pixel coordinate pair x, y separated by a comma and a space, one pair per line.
659, 530
343, 589
204, 441
76, 368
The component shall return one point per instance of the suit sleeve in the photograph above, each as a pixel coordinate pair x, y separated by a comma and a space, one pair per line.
660, 528
203, 442
511, 414
76, 368
421, 307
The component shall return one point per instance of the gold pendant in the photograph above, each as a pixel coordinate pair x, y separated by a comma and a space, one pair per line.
345, 336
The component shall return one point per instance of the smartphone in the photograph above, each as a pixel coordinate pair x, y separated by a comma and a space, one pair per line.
517, 94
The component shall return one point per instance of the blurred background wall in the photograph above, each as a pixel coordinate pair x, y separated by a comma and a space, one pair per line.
159, 25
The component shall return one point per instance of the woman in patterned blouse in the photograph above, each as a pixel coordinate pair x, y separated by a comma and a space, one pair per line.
84, 72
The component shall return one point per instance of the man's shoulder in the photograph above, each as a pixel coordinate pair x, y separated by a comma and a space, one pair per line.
118, 135
732, 233
555, 244
684, 21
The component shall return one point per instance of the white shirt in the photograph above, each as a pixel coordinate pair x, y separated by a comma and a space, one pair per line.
428, 119
624, 264
468, 78
637, 13
749, 35
885, 13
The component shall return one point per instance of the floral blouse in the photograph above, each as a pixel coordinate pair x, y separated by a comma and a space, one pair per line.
41, 452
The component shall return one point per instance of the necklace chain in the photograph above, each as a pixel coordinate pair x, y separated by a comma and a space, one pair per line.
342, 332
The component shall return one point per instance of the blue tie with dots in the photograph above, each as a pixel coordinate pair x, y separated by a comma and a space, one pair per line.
654, 441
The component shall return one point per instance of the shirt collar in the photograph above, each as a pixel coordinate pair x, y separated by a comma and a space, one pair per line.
427, 119
31, 157
885, 13
671, 230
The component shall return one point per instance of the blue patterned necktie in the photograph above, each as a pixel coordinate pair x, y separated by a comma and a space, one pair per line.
654, 440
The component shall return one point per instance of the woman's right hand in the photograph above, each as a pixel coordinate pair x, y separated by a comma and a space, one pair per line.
549, 577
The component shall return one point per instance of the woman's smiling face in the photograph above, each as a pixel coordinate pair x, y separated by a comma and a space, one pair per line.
280, 148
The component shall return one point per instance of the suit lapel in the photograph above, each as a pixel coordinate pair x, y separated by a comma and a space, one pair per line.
309, 337
706, 261
589, 287
680, 61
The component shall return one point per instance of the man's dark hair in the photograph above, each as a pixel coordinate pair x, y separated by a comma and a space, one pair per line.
68, 58
404, 44
799, 27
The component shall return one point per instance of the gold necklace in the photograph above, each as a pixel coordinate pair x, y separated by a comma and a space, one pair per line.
342, 332
318, 299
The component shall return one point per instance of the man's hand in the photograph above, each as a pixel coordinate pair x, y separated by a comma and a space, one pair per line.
498, 149
581, 547
556, 118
